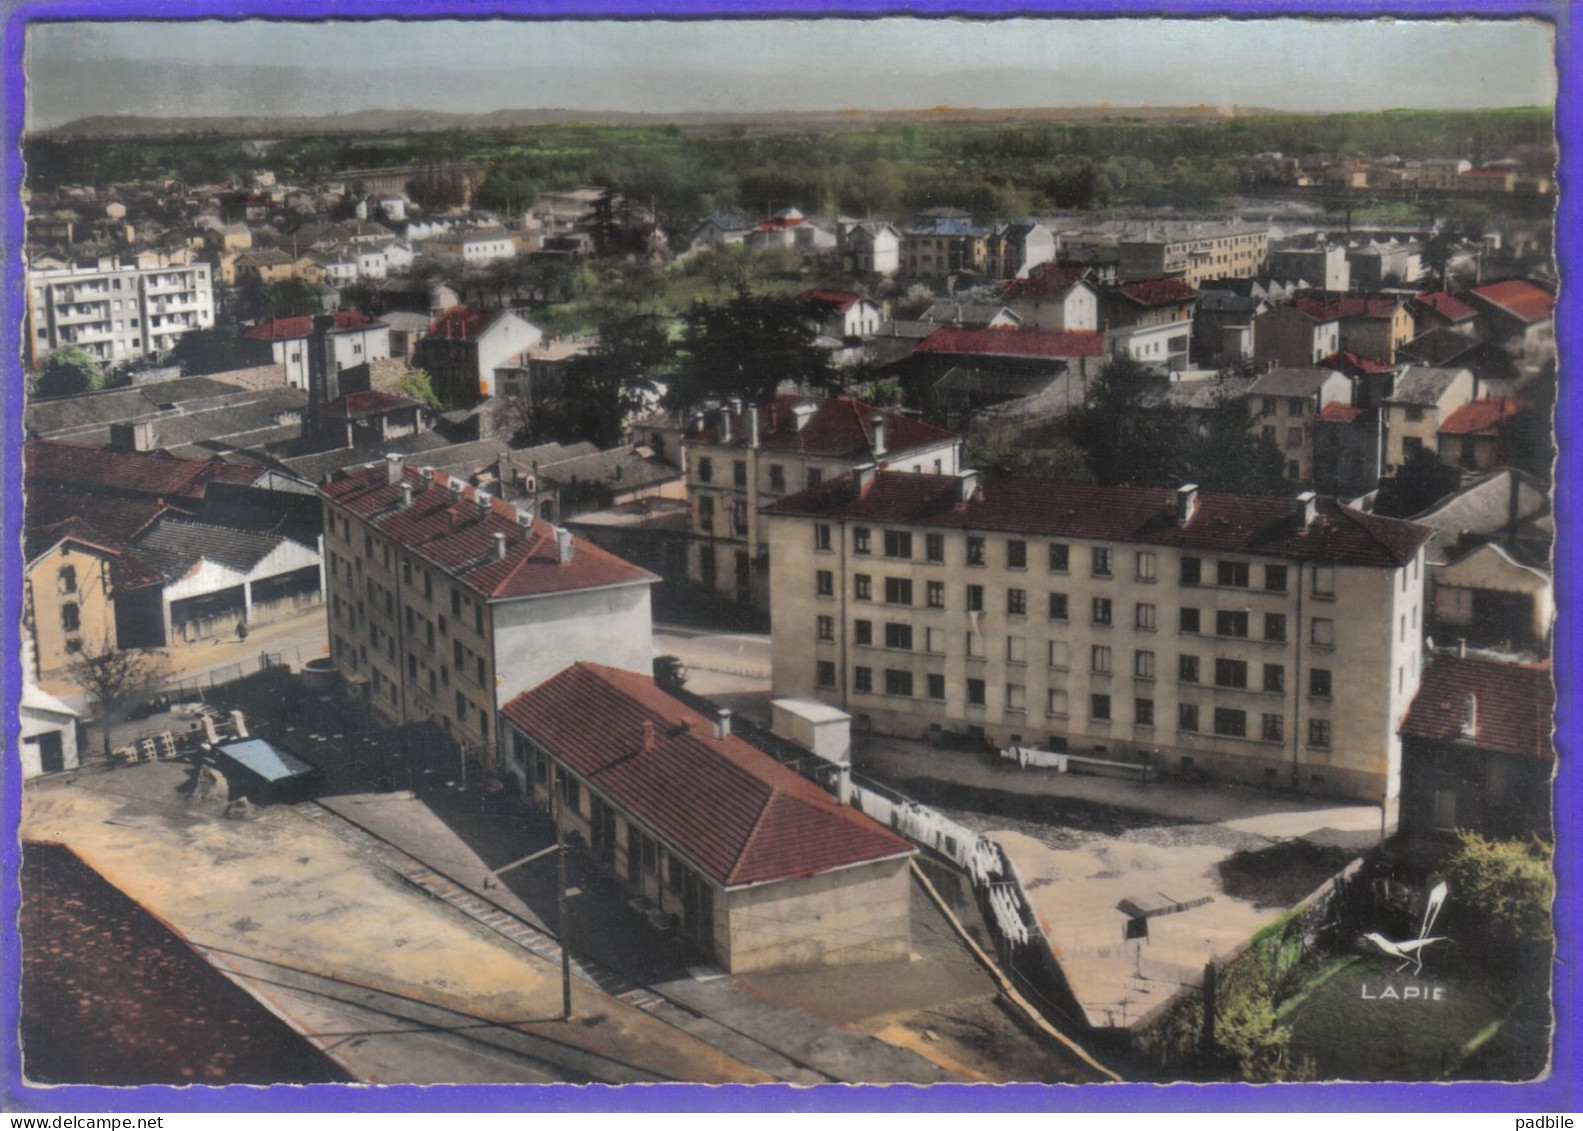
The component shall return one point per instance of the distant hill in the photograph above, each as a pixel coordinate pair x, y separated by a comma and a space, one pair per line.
433, 121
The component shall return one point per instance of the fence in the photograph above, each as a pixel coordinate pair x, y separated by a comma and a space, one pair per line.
190, 685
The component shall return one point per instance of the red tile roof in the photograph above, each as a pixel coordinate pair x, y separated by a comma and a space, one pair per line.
1014, 343
1348, 362
461, 322
127, 570
1155, 292
1246, 524
1447, 305
1483, 418
840, 426
1514, 710
368, 402
1331, 308
450, 532
840, 301
151, 474
1340, 413
1049, 280
738, 814
290, 329
1521, 299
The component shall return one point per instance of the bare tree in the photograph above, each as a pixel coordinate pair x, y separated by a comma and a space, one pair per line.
117, 678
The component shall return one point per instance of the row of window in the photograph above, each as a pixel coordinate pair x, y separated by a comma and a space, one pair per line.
739, 474
1226, 721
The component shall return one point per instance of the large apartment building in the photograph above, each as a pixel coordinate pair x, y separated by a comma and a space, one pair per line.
117, 310
1265, 640
739, 458
1182, 250
444, 602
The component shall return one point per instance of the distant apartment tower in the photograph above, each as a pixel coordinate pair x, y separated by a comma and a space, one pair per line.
115, 310
1271, 641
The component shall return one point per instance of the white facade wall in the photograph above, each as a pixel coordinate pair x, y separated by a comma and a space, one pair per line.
118, 312
1077, 309
506, 337
536, 637
352, 347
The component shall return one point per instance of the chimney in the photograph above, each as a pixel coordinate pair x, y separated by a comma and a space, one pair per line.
428, 475
1186, 503
500, 545
648, 736
753, 427
723, 723
725, 426
801, 415
406, 495
563, 545
863, 477
967, 483
481, 503
877, 422
1470, 716
1307, 508
392, 467
454, 486
524, 520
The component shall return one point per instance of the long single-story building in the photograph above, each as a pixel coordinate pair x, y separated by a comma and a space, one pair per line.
757, 867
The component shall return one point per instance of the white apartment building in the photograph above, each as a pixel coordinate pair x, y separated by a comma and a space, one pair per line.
1270, 641
118, 310
445, 602
739, 458
284, 341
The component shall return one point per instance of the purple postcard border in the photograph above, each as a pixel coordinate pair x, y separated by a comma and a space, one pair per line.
1557, 1093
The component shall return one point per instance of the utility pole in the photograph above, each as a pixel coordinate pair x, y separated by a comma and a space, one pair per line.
560, 900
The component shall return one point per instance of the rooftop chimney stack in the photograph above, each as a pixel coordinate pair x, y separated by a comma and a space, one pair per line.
1307, 508
863, 477
481, 503
393, 468
967, 483
801, 415
1470, 716
1186, 503
406, 495
428, 475
524, 519
753, 427
725, 426
877, 421
563, 545
500, 546
723, 723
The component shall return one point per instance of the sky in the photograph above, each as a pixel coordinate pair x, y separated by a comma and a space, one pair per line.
759, 66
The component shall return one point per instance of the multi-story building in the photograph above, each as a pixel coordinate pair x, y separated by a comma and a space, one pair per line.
118, 310
1267, 640
1421, 399
1057, 296
1184, 250
1150, 320
1372, 326
740, 458
1295, 336
1323, 266
445, 602
285, 341
874, 247
944, 241
1282, 407
465, 348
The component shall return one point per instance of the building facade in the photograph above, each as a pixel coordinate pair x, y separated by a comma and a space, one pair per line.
445, 602
740, 458
1197, 633
757, 867
285, 341
118, 311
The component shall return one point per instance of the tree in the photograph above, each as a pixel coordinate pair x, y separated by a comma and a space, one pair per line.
66, 372
746, 346
418, 385
1420, 483
292, 298
613, 379
116, 678
1507, 885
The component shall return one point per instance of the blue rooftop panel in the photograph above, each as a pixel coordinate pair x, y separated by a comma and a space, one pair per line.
265, 760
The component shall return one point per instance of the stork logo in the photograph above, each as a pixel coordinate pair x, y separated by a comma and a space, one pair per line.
1410, 952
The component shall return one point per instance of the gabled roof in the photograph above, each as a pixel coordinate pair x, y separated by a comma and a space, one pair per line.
1525, 301
1292, 382
1014, 343
290, 329
840, 426
837, 301
1245, 524
450, 531
1423, 385
462, 322
1514, 706
1330, 308
175, 545
1346, 361
1483, 417
1048, 280
734, 811
127, 569
369, 402
1447, 305
1441, 345
1154, 292
151, 474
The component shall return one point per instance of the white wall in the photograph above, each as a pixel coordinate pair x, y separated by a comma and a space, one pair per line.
537, 637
